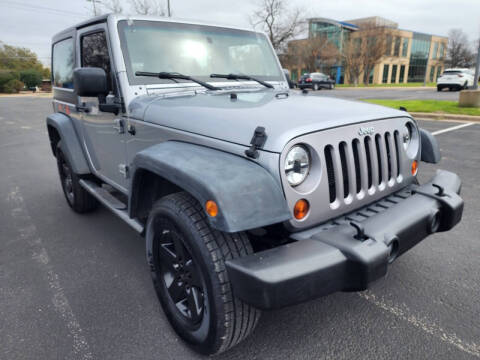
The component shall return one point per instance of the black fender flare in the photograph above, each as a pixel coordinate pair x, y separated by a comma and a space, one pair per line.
70, 143
430, 152
247, 195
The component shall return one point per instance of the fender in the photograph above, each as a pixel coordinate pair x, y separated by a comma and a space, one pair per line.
430, 150
247, 195
70, 144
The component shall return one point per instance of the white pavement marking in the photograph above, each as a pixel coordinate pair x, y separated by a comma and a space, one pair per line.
452, 128
28, 233
423, 324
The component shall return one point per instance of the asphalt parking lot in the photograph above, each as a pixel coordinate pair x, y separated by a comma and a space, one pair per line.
77, 287
389, 93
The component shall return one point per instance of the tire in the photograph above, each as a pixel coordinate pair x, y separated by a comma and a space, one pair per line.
465, 86
194, 289
77, 197
315, 87
439, 88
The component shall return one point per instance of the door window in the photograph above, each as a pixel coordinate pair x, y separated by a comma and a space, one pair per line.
63, 64
94, 50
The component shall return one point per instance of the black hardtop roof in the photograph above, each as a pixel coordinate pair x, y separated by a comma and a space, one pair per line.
95, 20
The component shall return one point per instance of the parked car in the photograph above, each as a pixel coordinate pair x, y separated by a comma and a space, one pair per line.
250, 197
316, 81
455, 79
291, 83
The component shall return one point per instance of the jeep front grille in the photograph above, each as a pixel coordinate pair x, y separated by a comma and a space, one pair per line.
360, 164
350, 169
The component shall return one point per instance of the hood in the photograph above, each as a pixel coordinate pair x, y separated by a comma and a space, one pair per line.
221, 116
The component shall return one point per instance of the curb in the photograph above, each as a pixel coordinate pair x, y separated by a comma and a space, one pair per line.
384, 87
445, 117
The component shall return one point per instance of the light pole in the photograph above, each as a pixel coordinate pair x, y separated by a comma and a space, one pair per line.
477, 68
168, 8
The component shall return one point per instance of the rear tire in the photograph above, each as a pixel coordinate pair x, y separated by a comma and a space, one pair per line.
187, 262
79, 199
439, 88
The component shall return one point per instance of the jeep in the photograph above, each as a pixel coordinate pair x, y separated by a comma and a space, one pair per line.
250, 196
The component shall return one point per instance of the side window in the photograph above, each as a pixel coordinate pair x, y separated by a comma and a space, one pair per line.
94, 53
63, 64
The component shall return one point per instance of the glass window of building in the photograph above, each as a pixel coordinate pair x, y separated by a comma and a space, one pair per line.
394, 74
396, 49
388, 46
418, 57
435, 50
442, 51
405, 47
401, 76
385, 74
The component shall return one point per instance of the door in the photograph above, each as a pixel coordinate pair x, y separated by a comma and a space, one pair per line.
103, 132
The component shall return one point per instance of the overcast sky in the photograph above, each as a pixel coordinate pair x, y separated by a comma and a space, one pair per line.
31, 23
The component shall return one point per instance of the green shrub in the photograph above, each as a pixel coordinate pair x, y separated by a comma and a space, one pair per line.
6, 76
31, 78
13, 86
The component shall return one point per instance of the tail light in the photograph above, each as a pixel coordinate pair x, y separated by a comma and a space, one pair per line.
459, 75
308, 80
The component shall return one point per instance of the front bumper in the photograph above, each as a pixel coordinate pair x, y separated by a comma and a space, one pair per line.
350, 253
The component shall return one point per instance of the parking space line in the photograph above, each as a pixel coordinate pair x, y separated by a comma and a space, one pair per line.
27, 232
423, 324
456, 127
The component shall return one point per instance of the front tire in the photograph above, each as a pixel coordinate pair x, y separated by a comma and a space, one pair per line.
187, 262
79, 199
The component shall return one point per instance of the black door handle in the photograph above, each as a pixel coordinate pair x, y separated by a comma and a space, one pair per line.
82, 108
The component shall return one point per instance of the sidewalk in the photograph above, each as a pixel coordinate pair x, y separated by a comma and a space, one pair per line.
445, 117
29, 94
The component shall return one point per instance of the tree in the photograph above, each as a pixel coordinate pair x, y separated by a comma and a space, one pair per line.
310, 53
113, 6
18, 58
31, 78
148, 7
362, 50
279, 22
459, 53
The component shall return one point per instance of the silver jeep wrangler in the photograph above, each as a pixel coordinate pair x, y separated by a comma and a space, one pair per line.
250, 196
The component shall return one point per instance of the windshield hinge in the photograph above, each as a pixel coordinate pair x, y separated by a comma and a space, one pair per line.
257, 142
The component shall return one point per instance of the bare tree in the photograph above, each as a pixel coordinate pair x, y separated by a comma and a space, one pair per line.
459, 53
279, 22
362, 50
352, 60
113, 6
373, 47
148, 7
311, 53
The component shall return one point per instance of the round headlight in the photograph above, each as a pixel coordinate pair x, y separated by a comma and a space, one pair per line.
407, 135
297, 165
410, 139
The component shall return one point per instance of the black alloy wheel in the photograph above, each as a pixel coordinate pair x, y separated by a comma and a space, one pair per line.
186, 257
181, 276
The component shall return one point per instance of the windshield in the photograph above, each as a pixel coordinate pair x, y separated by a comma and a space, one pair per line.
194, 50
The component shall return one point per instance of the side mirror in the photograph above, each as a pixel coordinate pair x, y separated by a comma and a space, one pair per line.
90, 82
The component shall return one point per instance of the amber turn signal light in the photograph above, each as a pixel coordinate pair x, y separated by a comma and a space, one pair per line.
414, 167
300, 210
211, 208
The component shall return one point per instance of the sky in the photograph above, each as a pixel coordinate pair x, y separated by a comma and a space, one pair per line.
32, 23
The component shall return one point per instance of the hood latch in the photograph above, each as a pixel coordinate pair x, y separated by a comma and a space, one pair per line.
258, 140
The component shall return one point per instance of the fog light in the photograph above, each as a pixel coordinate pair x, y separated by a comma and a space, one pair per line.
414, 167
300, 210
211, 208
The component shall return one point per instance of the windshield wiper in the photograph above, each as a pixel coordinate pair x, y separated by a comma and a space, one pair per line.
175, 75
241, 77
